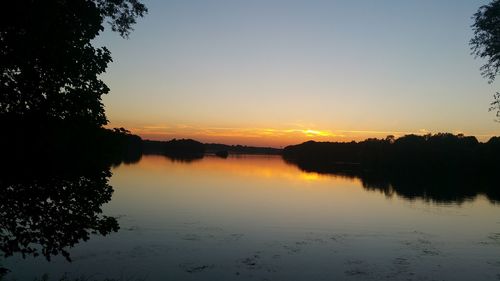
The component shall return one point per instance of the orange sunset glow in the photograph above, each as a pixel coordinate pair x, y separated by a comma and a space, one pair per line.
245, 140
274, 137
301, 72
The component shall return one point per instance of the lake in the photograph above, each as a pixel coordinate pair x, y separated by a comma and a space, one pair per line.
259, 218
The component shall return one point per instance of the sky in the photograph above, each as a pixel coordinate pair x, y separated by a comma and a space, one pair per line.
280, 72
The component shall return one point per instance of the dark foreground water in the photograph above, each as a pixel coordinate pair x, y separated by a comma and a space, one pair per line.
259, 218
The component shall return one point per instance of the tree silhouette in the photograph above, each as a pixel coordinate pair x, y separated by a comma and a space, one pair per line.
486, 44
49, 67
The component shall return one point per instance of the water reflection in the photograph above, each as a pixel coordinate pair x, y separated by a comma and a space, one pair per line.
258, 218
183, 158
47, 209
436, 187
48, 215
440, 188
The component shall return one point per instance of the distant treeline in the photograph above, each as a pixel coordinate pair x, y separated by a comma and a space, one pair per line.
174, 146
183, 150
180, 147
441, 167
438, 153
33, 143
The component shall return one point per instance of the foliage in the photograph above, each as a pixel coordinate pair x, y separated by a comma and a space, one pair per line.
49, 68
486, 44
486, 41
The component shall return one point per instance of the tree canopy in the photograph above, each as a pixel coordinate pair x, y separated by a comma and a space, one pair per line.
486, 43
49, 67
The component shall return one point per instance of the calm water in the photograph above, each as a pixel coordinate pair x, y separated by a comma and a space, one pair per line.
259, 218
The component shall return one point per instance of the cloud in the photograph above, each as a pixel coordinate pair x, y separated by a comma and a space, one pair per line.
262, 136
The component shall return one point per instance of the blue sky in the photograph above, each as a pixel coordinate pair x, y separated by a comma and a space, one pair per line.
278, 72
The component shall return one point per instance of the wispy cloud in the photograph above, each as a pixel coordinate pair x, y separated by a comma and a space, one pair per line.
273, 136
282, 136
